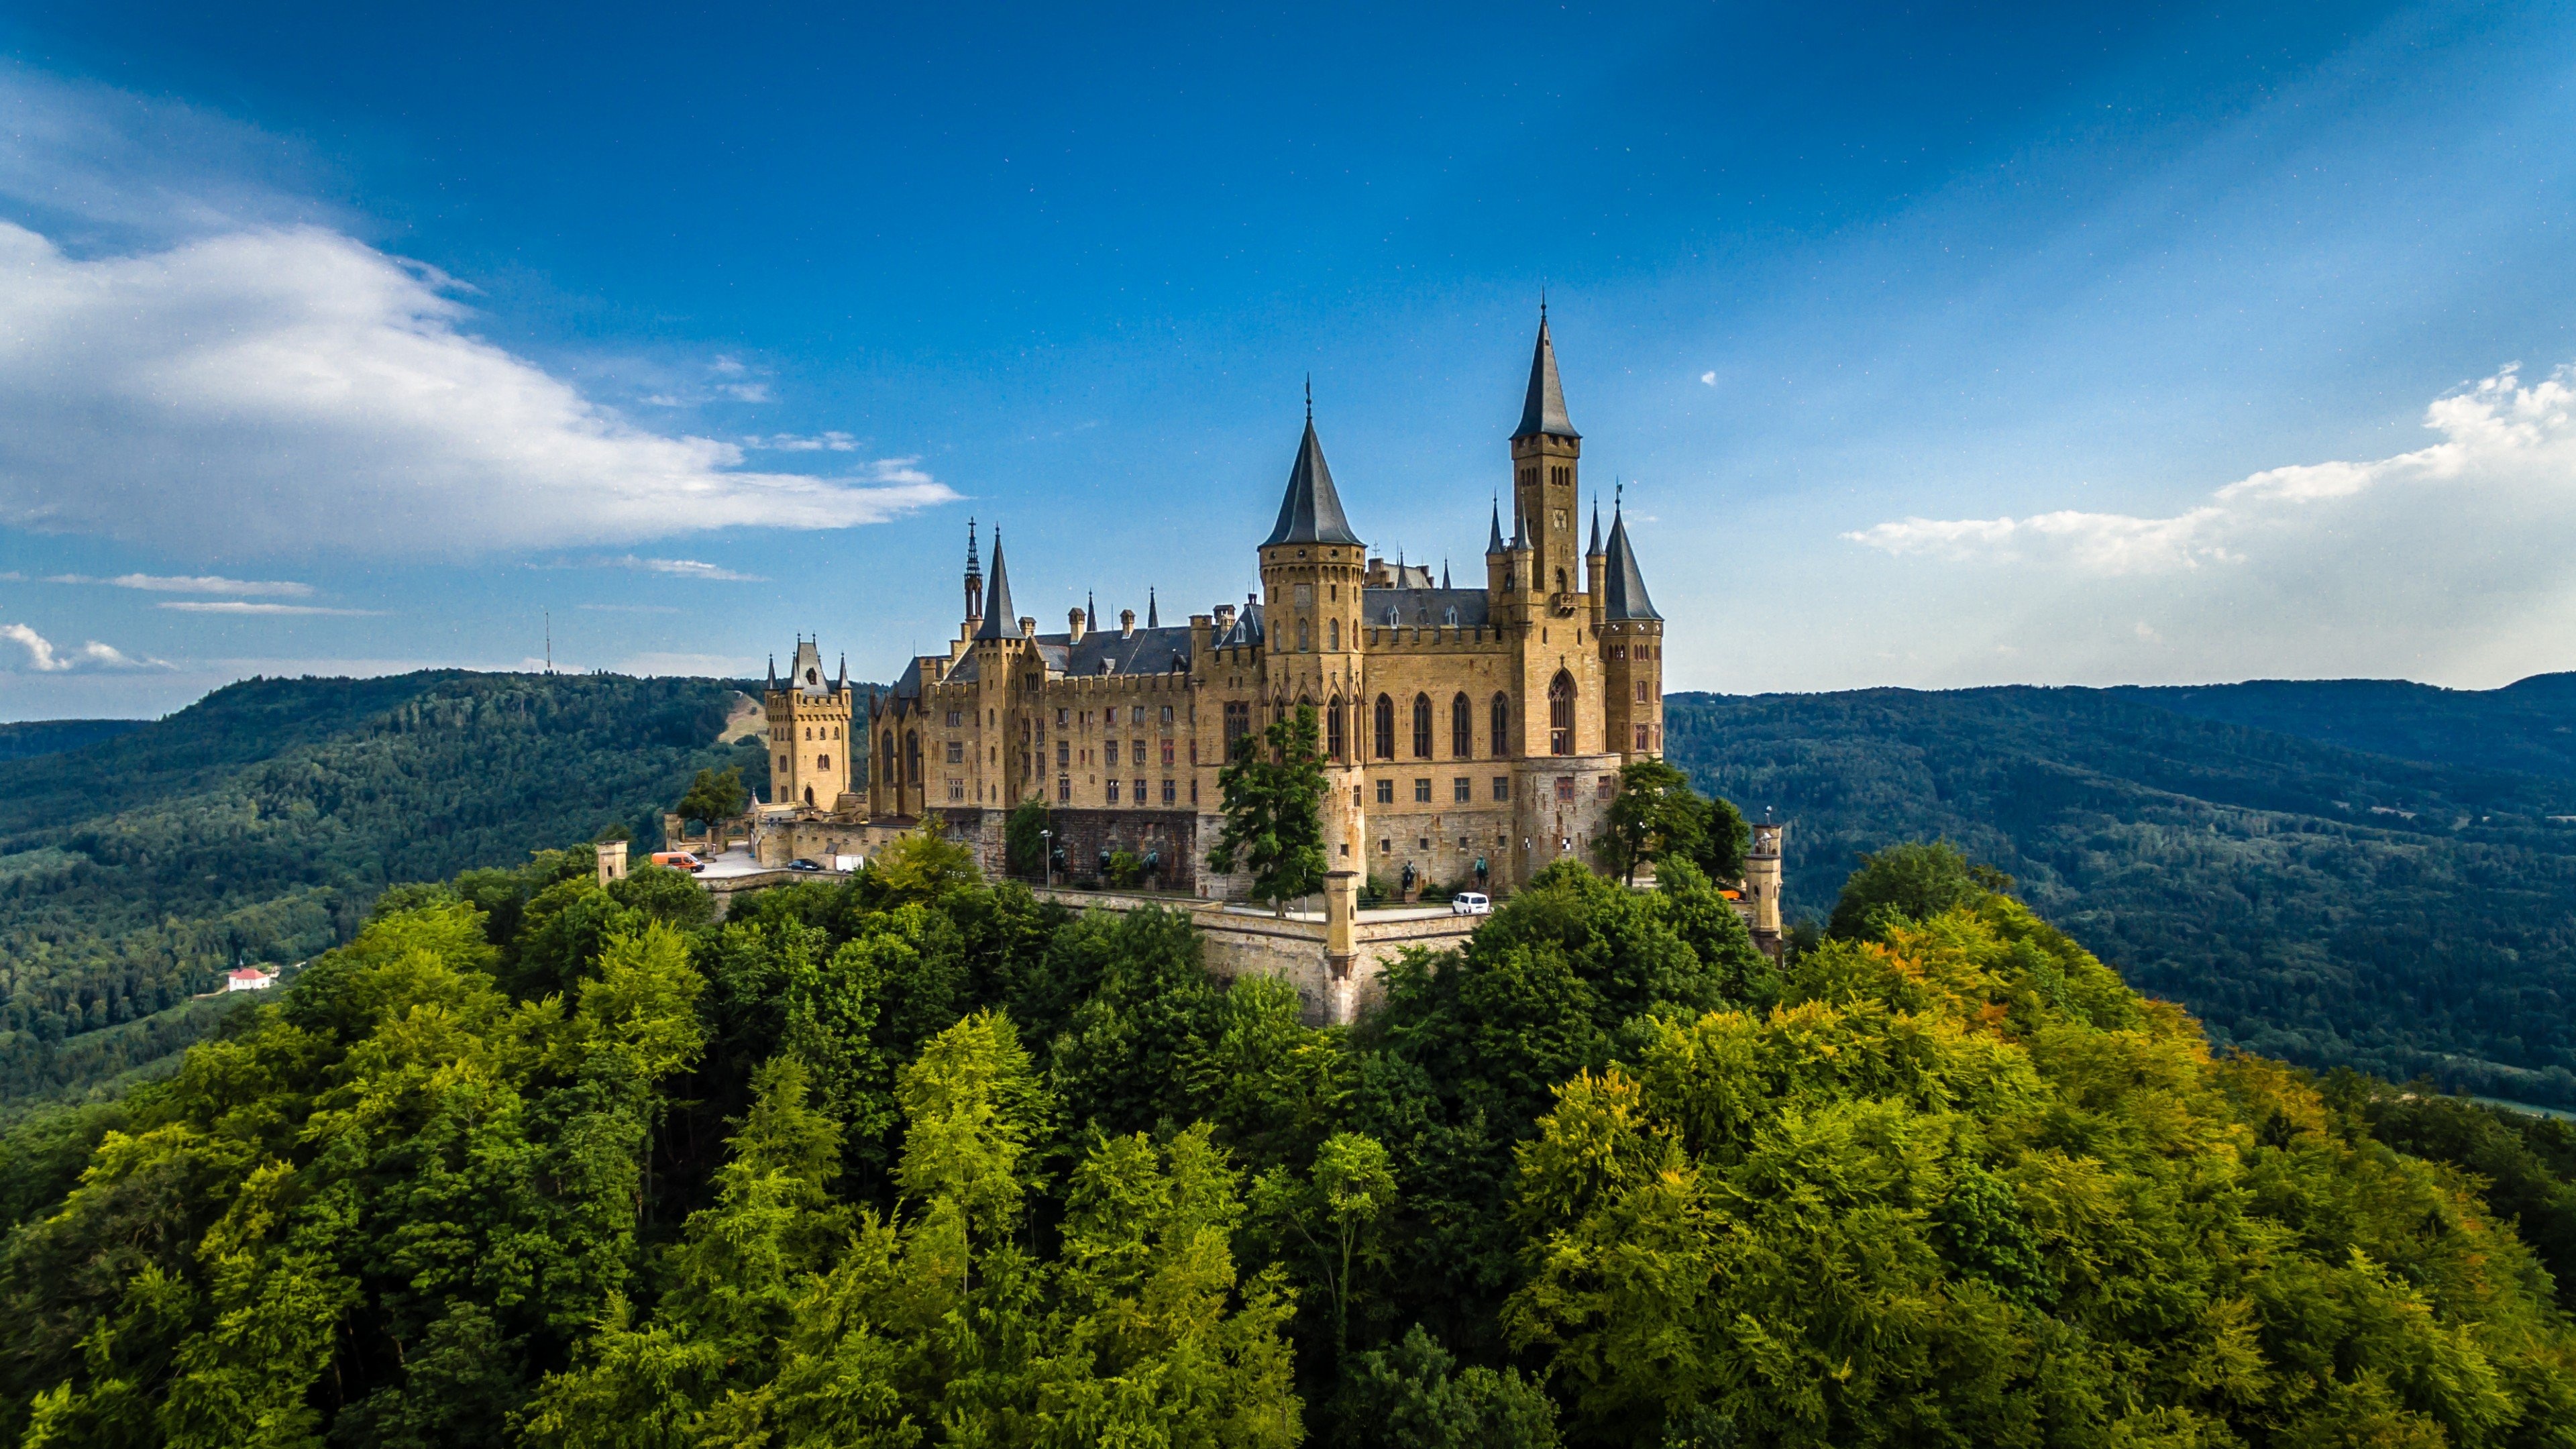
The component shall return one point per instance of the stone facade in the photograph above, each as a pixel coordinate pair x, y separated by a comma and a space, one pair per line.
1474, 734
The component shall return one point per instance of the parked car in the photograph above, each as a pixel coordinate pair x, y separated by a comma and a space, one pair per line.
801, 863
679, 860
1470, 903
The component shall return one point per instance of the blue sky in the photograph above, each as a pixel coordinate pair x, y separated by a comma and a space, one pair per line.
1936, 345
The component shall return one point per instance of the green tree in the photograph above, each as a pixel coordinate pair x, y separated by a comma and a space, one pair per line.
1337, 1211
1655, 814
1025, 840
1912, 880
1415, 1395
715, 795
1274, 811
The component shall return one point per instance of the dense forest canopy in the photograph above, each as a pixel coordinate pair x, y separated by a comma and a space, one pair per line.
915, 1159
257, 824
2309, 900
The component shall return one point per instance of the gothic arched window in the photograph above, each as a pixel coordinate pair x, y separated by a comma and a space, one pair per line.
1560, 714
1385, 728
1333, 728
887, 774
912, 756
1302, 645
1503, 726
1333, 634
1462, 727
1422, 726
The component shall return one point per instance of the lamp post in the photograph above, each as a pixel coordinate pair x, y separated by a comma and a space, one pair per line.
1046, 846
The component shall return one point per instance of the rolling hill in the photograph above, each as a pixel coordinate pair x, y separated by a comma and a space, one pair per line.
260, 822
2230, 847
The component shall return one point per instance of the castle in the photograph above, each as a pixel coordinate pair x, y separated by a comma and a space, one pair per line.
1472, 735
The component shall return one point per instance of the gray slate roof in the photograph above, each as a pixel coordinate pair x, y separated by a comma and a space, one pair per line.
1311, 512
1624, 586
1147, 651
1543, 410
1427, 608
1001, 621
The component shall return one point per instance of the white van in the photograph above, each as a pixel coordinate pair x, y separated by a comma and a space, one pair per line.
1470, 903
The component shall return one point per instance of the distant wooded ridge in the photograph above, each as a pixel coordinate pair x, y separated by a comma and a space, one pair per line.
2338, 872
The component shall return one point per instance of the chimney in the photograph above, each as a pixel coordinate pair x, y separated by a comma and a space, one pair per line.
1073, 624
1126, 623
1224, 618
1028, 627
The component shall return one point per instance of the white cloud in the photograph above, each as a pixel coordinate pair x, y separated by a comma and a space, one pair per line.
290, 390
1708, 379
193, 584
682, 568
826, 441
2504, 442
44, 658
238, 606
2455, 560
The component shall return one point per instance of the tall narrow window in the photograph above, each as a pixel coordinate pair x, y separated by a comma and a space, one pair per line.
1503, 726
1385, 728
1333, 633
1238, 723
912, 757
1560, 714
1301, 636
1333, 728
1422, 726
1462, 728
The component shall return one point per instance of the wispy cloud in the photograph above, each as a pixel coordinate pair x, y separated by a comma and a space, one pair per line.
240, 606
630, 608
197, 584
679, 568
823, 442
44, 658
2502, 438
2461, 552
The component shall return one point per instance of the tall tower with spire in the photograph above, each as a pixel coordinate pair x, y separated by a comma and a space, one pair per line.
974, 585
1546, 452
1313, 568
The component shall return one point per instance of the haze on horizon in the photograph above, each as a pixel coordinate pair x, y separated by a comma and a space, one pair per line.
1932, 347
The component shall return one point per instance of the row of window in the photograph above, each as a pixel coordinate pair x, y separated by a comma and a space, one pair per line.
830, 732
1135, 791
1462, 790
1644, 651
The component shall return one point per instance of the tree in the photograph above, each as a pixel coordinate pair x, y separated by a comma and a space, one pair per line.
1911, 880
1274, 810
1024, 837
1337, 1211
715, 795
1723, 839
1655, 814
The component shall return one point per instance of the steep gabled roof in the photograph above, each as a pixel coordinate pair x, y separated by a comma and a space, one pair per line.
1311, 512
1543, 410
1625, 586
1494, 539
1000, 620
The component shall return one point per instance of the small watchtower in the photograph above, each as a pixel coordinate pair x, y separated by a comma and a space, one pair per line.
809, 729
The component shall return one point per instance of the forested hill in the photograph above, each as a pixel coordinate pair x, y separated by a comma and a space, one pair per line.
26, 738
2327, 904
258, 824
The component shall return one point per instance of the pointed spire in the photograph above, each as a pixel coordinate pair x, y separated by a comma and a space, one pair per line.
1494, 538
1543, 409
1595, 550
1090, 613
843, 682
971, 566
1520, 530
1444, 573
974, 578
1625, 586
1311, 512
1153, 614
773, 672
999, 621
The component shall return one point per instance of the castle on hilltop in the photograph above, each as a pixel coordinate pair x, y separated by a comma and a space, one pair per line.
1472, 734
